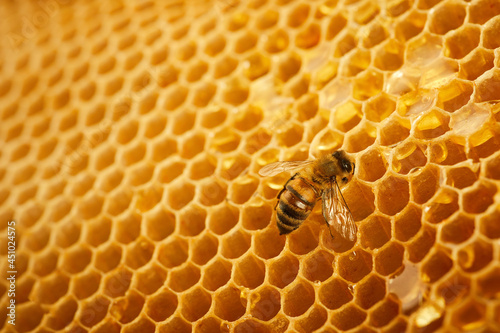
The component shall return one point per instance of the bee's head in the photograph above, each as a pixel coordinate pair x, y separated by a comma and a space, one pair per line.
346, 166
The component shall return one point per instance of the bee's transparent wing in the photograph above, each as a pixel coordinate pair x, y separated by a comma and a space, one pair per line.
336, 212
282, 166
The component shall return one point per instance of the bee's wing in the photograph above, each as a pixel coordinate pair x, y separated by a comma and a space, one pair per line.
336, 212
282, 166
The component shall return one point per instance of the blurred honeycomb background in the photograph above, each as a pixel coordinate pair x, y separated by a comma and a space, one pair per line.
132, 133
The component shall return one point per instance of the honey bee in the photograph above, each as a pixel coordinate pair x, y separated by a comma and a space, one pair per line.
320, 178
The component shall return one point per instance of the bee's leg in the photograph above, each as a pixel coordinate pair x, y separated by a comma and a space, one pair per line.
283, 189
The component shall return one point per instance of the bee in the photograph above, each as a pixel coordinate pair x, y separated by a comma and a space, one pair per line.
315, 179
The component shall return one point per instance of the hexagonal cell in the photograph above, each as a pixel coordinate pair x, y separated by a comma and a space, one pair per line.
484, 143
469, 315
356, 63
174, 252
304, 239
477, 63
436, 266
389, 258
372, 165
393, 195
309, 36
235, 244
50, 289
190, 147
446, 152
192, 220
224, 67
213, 117
98, 307
442, 206
184, 277
488, 285
370, 291
489, 225
267, 20
419, 246
462, 41
265, 303
163, 149
345, 44
390, 56
299, 298
195, 303
360, 199
176, 324
148, 280
63, 315
375, 232
375, 34
291, 136
108, 257
248, 40
431, 125
249, 271
461, 177
318, 266
268, 243
298, 15
354, 265
394, 131
478, 198
361, 137
446, 17
223, 218
425, 184
228, 304
348, 317
128, 228
475, 256
161, 306
256, 215
458, 229
454, 288
277, 41
216, 274
283, 270
347, 115
489, 37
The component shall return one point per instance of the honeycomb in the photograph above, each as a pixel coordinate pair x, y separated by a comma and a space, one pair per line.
132, 134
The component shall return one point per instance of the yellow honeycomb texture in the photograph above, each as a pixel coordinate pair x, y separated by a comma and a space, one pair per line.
132, 133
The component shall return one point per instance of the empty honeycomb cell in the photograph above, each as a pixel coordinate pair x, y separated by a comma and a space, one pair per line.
67, 234
283, 271
489, 226
393, 195
75, 260
86, 285
171, 171
488, 285
389, 258
223, 219
475, 256
33, 314
384, 312
299, 298
389, 56
249, 272
458, 229
348, 317
139, 253
487, 89
51, 288
362, 137
478, 62
436, 266
192, 221
490, 39
442, 206
366, 12
235, 244
483, 10
304, 240
45, 263
315, 319
126, 309
150, 279
469, 315
362, 90
141, 175
355, 265
195, 303
334, 293
298, 15
292, 135
176, 324
243, 189
318, 266
346, 43
117, 283
228, 304
425, 184
256, 215
370, 291
275, 42
175, 98
216, 274
108, 257
394, 131
347, 116
446, 152
420, 245
208, 324
174, 252
309, 37
446, 17
462, 41
431, 125
128, 228
479, 198
493, 168
289, 67
63, 315
372, 165
375, 232
180, 195
204, 249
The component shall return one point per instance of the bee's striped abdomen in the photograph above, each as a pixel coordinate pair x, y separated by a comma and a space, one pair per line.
295, 205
